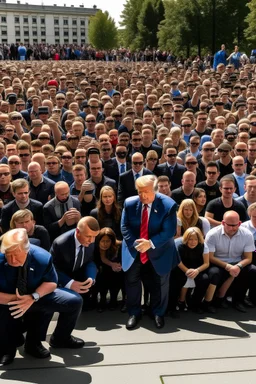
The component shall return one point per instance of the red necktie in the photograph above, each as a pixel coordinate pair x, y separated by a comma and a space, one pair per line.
144, 232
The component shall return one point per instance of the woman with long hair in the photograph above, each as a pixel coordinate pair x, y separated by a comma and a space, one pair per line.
188, 217
108, 212
199, 198
108, 259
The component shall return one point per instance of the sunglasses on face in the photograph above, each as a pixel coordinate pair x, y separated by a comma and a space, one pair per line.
24, 155
223, 150
66, 157
137, 162
16, 118
5, 174
209, 149
90, 121
191, 162
186, 125
52, 163
211, 173
13, 162
172, 155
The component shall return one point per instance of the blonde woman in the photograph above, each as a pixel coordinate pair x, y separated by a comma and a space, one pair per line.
188, 217
191, 271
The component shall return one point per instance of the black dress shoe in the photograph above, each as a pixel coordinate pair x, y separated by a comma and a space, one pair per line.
72, 342
159, 321
37, 350
248, 303
239, 307
132, 322
8, 357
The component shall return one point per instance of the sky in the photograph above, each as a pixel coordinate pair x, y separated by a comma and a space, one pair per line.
114, 7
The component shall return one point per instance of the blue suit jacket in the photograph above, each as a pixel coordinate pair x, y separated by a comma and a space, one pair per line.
40, 270
161, 227
63, 253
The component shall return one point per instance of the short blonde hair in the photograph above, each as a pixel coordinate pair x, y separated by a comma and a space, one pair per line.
15, 238
191, 231
146, 181
251, 208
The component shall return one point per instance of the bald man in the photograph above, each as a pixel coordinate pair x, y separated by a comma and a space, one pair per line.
61, 213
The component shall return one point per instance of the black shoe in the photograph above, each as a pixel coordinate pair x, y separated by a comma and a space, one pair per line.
247, 303
182, 306
159, 321
72, 342
208, 307
132, 321
221, 302
37, 350
8, 357
123, 308
239, 307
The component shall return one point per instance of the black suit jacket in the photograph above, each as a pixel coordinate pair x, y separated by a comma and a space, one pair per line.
175, 179
63, 253
111, 170
51, 220
126, 187
9, 209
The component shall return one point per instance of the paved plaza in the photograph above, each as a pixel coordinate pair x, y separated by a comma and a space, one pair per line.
191, 349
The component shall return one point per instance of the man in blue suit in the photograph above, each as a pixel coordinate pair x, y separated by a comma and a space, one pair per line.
29, 298
148, 252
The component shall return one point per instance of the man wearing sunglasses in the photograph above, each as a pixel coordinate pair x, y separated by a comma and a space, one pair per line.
171, 168
225, 159
230, 248
126, 187
211, 186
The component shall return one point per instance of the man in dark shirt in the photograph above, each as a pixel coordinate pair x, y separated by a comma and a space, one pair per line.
15, 168
225, 161
217, 207
211, 185
41, 188
186, 190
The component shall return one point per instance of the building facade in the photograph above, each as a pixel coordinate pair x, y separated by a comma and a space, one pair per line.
35, 24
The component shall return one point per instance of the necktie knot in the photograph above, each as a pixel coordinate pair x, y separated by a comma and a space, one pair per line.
137, 176
122, 168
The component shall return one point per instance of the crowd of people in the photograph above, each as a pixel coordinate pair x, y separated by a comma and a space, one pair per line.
120, 176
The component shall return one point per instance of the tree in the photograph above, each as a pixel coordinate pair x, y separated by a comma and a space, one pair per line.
129, 16
250, 31
102, 31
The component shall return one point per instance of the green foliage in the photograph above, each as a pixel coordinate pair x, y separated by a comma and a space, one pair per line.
250, 31
189, 25
102, 31
129, 21
141, 21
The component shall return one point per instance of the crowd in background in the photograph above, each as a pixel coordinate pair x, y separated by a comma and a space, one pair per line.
75, 136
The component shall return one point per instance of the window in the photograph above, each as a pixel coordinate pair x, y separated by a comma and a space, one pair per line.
34, 33
4, 33
17, 32
82, 41
4, 40
25, 20
82, 22
73, 22
35, 41
26, 40
17, 40
56, 21
42, 33
74, 33
65, 22
42, 21
3, 19
26, 33
74, 40
34, 20
16, 19
66, 40
43, 40
56, 33
65, 33
57, 41
82, 32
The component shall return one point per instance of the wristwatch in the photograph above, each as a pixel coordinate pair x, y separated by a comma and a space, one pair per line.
240, 266
35, 296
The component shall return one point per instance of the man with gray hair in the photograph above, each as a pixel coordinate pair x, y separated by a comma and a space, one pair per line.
29, 298
148, 226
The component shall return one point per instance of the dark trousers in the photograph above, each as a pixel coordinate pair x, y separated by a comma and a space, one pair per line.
36, 320
108, 280
178, 280
158, 287
246, 279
